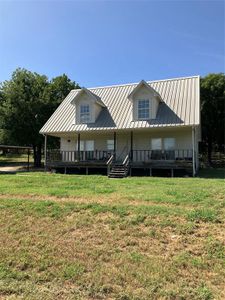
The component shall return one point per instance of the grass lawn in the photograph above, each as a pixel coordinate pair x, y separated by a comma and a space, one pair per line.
12, 158
90, 237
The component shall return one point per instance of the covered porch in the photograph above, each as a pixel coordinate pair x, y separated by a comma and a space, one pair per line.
168, 148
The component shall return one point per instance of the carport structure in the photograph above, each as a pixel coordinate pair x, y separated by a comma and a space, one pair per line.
11, 148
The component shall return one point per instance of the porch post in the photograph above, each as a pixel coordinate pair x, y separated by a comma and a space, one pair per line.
45, 153
78, 146
193, 150
114, 141
131, 145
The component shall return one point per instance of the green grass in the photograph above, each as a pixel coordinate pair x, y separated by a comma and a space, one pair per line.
12, 158
89, 237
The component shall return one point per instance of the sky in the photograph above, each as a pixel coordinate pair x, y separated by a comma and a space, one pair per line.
99, 43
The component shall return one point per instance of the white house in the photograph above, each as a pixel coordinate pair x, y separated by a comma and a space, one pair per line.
149, 125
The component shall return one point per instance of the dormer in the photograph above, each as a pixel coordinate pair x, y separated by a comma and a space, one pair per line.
87, 106
145, 102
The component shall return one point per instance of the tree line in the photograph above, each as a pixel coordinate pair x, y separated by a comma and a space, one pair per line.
28, 99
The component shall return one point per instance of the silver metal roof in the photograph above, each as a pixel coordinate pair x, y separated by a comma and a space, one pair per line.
180, 107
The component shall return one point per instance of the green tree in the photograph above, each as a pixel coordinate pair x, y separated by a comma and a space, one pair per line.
57, 90
28, 100
212, 111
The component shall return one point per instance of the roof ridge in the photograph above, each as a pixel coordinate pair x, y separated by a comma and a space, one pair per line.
148, 81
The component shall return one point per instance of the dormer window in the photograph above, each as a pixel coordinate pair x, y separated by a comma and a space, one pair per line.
145, 102
85, 113
87, 106
143, 109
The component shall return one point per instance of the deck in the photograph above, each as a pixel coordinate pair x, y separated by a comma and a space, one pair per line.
136, 159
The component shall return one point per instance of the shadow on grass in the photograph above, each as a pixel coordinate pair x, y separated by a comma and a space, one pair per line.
213, 173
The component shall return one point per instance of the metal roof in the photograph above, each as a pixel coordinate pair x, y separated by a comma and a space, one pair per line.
180, 107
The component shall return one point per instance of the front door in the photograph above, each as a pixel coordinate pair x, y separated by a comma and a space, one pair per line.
122, 146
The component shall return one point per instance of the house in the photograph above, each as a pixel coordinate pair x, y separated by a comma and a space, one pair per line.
121, 128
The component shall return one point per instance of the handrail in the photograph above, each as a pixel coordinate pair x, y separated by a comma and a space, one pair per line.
110, 160
109, 163
126, 160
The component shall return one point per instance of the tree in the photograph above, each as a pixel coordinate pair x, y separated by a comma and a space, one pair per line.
212, 111
28, 100
58, 88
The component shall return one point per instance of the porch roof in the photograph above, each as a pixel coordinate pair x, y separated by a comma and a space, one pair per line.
180, 106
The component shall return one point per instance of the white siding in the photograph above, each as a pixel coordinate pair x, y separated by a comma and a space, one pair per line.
67, 144
141, 140
183, 139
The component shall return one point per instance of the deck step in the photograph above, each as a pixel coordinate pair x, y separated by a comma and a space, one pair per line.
119, 171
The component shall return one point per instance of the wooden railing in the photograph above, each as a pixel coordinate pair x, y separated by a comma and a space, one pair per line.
109, 163
151, 155
74, 156
126, 161
109, 156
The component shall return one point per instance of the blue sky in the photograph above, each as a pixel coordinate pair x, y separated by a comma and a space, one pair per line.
108, 42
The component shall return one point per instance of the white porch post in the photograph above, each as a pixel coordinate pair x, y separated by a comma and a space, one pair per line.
78, 146
193, 151
131, 145
114, 143
45, 153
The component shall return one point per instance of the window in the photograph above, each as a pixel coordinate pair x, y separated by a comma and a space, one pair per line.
165, 144
110, 144
81, 146
87, 145
156, 144
143, 109
169, 143
84, 113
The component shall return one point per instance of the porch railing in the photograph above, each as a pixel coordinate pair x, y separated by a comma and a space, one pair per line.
74, 156
154, 155
134, 155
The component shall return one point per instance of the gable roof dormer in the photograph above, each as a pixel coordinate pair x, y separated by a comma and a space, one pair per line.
87, 106
145, 102
90, 95
143, 84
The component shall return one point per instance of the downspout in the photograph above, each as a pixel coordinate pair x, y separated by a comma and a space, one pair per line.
193, 151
